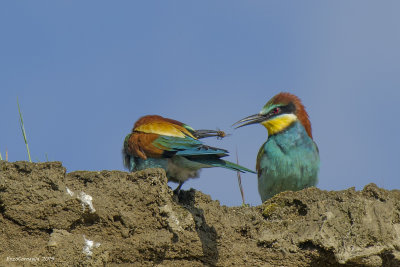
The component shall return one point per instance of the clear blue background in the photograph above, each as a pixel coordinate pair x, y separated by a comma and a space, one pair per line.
85, 71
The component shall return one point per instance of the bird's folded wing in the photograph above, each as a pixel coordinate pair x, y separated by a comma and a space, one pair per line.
186, 146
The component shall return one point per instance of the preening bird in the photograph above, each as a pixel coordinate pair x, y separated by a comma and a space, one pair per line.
157, 142
289, 159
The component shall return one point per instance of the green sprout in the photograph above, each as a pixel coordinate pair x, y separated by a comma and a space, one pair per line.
21, 122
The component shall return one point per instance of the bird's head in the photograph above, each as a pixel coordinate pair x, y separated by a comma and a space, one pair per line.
279, 113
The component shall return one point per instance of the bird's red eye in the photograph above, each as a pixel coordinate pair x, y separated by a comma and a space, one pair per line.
276, 110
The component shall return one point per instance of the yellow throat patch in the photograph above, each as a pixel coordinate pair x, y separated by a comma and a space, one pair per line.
279, 123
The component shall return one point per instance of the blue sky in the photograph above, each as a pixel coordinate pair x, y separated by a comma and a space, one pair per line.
85, 71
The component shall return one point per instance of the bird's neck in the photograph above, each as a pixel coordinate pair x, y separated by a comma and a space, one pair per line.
279, 123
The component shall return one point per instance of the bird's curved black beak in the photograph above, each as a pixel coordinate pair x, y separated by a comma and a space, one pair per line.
256, 118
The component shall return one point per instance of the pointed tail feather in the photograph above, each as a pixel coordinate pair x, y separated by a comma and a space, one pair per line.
223, 164
235, 167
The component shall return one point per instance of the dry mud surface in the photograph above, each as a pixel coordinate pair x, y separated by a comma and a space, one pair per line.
52, 218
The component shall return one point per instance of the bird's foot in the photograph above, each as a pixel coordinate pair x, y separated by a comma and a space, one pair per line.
178, 189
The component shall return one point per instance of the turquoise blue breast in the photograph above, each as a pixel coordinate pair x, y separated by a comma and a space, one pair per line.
287, 161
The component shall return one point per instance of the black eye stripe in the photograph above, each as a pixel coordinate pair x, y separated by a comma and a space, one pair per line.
288, 109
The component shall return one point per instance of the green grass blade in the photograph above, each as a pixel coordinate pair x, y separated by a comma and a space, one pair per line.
21, 122
240, 180
1, 158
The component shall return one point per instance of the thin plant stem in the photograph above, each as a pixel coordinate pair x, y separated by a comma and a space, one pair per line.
21, 122
240, 180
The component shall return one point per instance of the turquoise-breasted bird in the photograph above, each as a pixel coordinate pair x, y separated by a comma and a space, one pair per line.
289, 159
157, 142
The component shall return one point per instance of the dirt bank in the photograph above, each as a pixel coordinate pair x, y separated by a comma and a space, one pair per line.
50, 217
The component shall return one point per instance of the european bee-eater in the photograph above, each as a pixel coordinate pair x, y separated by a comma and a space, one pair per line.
157, 142
289, 159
